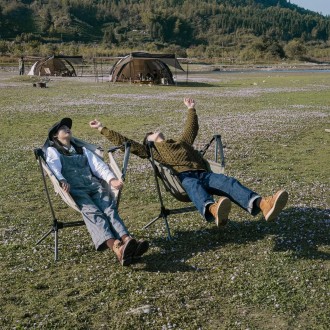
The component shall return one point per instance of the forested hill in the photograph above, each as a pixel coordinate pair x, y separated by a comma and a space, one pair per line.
178, 22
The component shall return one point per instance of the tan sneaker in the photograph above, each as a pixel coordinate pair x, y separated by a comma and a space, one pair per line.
220, 211
272, 206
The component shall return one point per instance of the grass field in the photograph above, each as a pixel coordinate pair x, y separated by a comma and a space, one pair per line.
251, 275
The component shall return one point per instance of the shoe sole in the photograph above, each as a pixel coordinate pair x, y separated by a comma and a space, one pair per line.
223, 212
278, 206
142, 248
127, 262
128, 252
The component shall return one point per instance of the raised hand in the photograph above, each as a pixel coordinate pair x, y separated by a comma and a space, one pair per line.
190, 103
95, 124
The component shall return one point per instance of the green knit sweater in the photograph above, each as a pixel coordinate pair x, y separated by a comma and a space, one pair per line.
178, 154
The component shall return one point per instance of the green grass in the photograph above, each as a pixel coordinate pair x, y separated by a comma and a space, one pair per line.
251, 275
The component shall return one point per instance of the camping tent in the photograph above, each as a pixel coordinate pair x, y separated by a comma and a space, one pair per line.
145, 68
55, 66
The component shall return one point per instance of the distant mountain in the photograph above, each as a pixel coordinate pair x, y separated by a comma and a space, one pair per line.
178, 22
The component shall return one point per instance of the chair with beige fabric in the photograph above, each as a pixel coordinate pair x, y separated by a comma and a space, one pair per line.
40, 154
173, 185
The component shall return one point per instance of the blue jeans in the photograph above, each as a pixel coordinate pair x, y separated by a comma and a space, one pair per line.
201, 186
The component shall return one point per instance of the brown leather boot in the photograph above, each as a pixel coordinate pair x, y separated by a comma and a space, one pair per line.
125, 250
271, 206
141, 248
220, 211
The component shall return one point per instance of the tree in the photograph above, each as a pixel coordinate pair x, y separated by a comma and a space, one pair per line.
156, 31
46, 21
3, 47
295, 50
109, 37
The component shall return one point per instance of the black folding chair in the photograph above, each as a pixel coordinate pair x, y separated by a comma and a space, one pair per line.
173, 185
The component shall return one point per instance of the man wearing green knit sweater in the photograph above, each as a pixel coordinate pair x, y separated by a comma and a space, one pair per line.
191, 169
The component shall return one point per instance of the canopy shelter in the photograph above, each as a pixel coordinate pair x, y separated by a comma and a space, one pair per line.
143, 67
56, 66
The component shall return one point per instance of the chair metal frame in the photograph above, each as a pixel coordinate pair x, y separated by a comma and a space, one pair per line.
66, 197
173, 185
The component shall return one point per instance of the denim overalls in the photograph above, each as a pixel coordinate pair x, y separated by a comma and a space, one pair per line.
98, 209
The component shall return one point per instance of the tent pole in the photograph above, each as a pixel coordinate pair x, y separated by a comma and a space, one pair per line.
130, 73
102, 69
95, 69
176, 76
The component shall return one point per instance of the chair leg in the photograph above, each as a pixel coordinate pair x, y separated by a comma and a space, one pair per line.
152, 221
169, 237
56, 244
164, 216
45, 235
54, 230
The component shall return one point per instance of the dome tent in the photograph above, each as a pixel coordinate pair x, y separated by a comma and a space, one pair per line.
55, 66
145, 68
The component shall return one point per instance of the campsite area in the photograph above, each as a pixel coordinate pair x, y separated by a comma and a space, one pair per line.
250, 275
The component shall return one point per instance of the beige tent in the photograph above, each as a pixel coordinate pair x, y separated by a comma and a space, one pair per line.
143, 67
55, 66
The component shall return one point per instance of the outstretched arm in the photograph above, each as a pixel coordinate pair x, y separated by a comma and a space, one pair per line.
191, 127
117, 139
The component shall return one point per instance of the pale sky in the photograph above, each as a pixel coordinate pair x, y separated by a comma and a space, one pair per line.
320, 6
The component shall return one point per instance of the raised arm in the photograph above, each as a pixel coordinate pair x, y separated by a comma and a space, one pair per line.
190, 130
117, 139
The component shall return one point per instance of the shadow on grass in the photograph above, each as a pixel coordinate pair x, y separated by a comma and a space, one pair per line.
305, 232
203, 84
195, 84
301, 231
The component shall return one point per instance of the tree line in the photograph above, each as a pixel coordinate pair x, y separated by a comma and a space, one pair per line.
187, 26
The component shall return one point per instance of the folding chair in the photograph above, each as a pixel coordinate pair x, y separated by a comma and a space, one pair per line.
40, 154
173, 185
